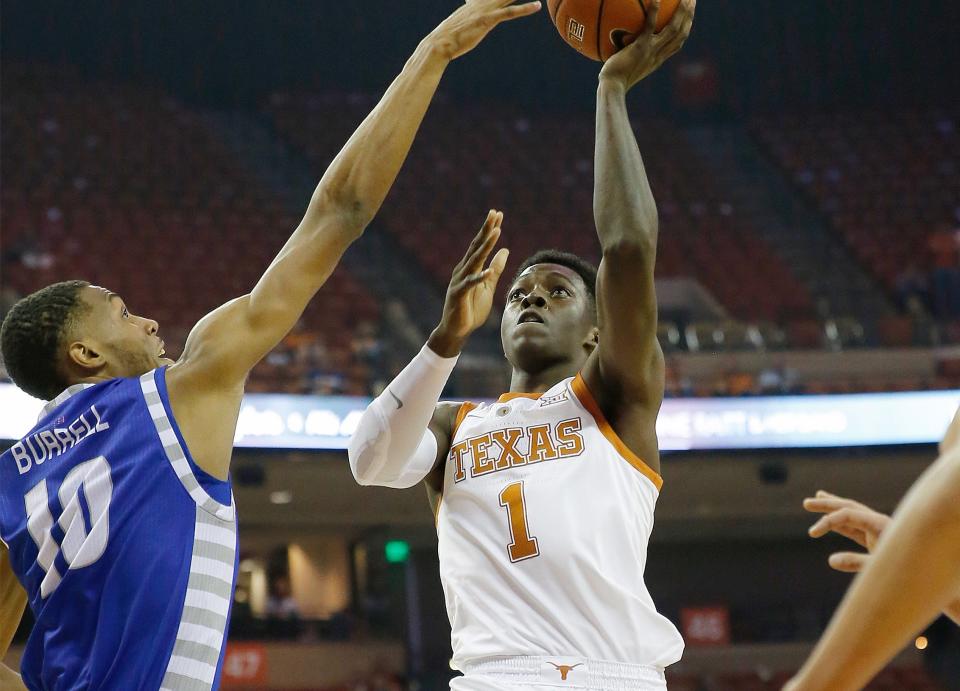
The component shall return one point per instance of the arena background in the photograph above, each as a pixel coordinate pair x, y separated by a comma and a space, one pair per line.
805, 160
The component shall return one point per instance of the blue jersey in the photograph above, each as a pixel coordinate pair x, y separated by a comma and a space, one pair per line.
127, 550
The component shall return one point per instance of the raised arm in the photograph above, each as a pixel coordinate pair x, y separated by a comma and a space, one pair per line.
912, 576
227, 343
628, 364
224, 346
13, 600
404, 434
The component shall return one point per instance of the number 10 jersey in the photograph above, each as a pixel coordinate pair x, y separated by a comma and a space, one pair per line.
127, 550
543, 528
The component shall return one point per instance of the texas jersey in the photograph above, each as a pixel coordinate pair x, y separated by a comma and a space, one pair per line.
543, 528
127, 550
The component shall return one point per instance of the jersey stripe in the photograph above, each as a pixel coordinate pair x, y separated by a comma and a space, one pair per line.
175, 453
505, 397
206, 607
587, 400
464, 410
62, 398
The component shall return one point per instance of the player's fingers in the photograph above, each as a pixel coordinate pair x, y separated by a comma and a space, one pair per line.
848, 562
497, 265
653, 12
676, 32
826, 525
833, 501
854, 534
849, 519
686, 10
516, 11
671, 44
477, 240
686, 21
476, 262
824, 494
829, 522
818, 505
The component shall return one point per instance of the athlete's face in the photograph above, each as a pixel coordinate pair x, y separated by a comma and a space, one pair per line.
548, 318
109, 337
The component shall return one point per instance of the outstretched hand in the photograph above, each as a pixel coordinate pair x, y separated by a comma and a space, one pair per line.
628, 66
471, 290
471, 22
851, 519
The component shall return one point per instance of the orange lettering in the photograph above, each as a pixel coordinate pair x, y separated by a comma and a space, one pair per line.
509, 456
569, 437
541, 445
456, 455
482, 463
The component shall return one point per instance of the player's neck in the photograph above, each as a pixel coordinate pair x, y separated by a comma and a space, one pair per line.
538, 382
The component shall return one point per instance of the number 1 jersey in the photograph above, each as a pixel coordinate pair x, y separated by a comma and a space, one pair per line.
127, 549
543, 528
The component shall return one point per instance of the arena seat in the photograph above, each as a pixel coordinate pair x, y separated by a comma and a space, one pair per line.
170, 221
885, 181
539, 170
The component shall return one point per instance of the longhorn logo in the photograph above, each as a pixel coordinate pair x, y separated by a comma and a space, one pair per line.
564, 669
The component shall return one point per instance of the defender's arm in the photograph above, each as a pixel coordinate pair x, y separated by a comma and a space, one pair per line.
13, 600
912, 576
227, 343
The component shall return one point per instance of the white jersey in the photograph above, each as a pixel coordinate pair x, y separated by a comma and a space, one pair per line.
543, 529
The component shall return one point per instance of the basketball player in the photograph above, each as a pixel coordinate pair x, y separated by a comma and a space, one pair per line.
544, 499
116, 511
912, 575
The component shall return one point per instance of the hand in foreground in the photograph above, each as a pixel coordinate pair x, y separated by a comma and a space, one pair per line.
471, 290
851, 519
470, 23
861, 524
650, 50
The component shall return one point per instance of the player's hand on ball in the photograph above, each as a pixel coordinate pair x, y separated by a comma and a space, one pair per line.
471, 22
851, 519
471, 290
650, 50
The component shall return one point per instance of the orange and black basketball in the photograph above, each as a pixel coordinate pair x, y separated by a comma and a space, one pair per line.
599, 28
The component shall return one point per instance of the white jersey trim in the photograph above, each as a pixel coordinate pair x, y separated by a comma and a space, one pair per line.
175, 453
206, 607
55, 403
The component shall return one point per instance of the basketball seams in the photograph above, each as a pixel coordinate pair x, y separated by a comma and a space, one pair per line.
556, 11
598, 28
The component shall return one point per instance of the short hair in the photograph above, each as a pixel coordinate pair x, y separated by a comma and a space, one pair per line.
33, 333
583, 268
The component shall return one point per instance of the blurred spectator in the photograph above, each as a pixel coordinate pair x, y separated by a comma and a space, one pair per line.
368, 350
943, 247
912, 285
777, 379
280, 603
405, 338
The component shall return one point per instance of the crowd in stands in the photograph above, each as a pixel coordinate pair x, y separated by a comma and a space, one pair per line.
196, 228
888, 183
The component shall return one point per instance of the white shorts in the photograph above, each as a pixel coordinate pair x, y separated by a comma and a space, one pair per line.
532, 673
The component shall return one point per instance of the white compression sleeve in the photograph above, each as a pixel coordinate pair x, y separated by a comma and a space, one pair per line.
393, 446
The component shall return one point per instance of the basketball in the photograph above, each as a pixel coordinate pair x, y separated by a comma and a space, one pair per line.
599, 28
